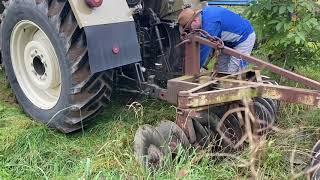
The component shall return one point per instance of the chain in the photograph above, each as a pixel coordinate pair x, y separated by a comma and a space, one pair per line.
186, 37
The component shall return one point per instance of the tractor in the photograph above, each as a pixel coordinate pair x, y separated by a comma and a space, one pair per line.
64, 58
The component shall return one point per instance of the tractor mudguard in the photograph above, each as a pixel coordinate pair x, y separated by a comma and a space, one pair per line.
110, 33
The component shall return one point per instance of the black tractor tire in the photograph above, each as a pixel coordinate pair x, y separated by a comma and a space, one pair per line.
83, 94
155, 5
1, 8
176, 58
174, 55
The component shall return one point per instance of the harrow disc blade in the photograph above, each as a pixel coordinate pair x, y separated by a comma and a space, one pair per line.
264, 118
315, 175
209, 121
274, 105
149, 147
173, 135
223, 135
202, 135
269, 107
232, 133
272, 82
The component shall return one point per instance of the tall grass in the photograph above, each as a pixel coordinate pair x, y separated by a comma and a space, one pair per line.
29, 150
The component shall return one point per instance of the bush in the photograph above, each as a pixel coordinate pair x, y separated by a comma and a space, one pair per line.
287, 30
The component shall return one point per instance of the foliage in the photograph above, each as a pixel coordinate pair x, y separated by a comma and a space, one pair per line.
287, 29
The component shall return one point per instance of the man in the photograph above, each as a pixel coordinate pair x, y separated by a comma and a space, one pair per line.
235, 31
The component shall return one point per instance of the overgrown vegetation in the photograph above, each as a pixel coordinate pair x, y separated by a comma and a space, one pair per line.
29, 150
288, 30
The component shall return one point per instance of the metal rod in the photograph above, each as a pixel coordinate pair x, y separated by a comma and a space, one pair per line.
192, 56
262, 64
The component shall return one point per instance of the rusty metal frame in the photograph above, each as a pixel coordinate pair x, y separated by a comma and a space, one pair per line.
246, 90
183, 91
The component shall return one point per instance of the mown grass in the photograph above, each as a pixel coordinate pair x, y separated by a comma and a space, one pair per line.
29, 150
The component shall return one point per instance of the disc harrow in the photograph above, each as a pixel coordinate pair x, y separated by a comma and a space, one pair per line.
214, 109
315, 162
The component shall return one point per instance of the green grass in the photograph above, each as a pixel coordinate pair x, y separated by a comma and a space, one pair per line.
29, 150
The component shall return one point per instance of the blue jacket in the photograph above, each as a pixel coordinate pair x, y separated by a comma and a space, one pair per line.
225, 24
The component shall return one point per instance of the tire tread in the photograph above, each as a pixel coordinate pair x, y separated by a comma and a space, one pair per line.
89, 92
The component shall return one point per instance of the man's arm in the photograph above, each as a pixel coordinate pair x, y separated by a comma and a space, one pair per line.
214, 29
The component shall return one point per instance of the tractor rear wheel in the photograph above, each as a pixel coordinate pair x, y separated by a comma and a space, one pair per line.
46, 61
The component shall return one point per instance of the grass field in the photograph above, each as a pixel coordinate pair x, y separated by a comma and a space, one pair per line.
29, 150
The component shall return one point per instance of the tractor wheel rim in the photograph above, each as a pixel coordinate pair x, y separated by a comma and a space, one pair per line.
35, 64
